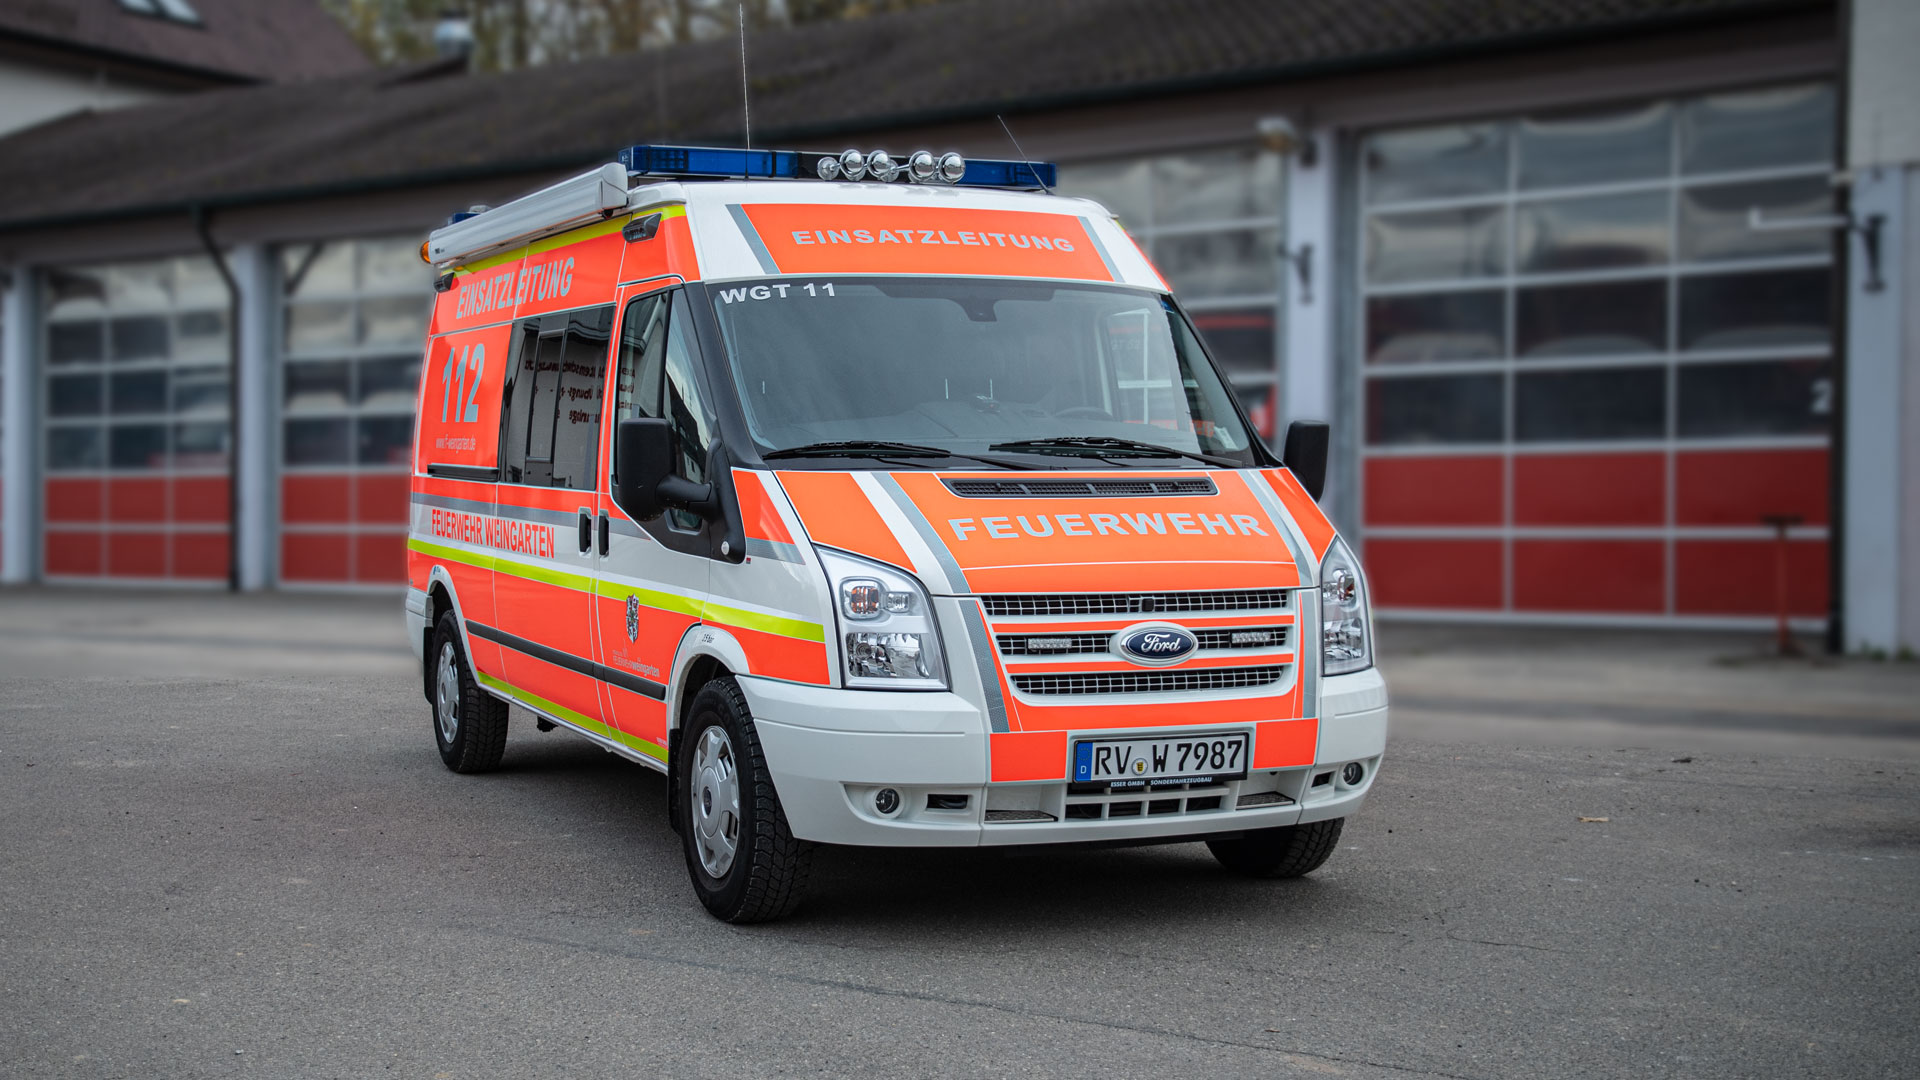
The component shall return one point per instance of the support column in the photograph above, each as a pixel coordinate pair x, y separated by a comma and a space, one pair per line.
255, 468
1309, 372
1872, 502
19, 429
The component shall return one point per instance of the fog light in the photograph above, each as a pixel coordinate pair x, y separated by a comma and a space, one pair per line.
1352, 774
886, 800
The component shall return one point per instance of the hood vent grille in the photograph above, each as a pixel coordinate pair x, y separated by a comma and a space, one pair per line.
1052, 604
1080, 489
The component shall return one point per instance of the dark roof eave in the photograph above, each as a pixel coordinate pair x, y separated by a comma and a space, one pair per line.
133, 59
1318, 69
1486, 46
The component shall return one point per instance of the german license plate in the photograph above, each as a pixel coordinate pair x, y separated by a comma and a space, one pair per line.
1157, 762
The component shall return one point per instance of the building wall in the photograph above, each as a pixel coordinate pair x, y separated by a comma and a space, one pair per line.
35, 93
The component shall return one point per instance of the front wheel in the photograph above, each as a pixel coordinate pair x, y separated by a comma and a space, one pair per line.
469, 724
745, 863
1285, 852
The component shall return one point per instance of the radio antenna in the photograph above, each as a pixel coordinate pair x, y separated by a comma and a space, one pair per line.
746, 108
1024, 159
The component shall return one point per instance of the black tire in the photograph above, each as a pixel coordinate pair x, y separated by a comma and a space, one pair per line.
479, 720
766, 872
1286, 852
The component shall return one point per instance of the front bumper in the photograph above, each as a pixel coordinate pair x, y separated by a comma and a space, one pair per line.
831, 751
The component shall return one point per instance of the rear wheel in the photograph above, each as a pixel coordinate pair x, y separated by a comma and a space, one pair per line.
469, 724
1285, 852
745, 863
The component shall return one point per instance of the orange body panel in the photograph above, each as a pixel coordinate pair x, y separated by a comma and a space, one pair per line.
459, 416
805, 238
1280, 744
1306, 513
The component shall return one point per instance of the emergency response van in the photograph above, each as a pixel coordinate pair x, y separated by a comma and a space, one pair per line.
874, 502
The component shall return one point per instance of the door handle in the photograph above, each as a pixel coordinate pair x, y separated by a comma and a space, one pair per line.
606, 532
586, 531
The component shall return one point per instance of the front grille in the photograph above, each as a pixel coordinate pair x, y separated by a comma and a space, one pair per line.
1225, 637
1068, 489
1134, 603
1150, 682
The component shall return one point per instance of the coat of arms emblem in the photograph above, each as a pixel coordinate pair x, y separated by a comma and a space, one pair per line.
633, 618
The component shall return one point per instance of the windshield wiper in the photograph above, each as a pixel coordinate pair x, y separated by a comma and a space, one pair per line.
875, 448
1102, 446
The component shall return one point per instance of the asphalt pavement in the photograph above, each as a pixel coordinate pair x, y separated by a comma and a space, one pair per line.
228, 849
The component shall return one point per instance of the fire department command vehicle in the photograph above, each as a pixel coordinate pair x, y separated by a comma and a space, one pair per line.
874, 502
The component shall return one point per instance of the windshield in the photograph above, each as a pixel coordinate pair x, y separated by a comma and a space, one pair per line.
972, 366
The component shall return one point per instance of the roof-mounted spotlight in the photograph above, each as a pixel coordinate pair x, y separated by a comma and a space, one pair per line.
952, 168
882, 167
922, 168
853, 166
827, 168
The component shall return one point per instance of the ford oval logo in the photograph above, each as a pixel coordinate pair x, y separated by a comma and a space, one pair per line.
1155, 644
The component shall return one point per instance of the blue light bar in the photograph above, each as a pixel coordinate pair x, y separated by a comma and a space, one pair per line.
1011, 174
711, 161
720, 163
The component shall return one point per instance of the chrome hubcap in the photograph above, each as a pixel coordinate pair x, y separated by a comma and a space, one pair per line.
446, 705
715, 802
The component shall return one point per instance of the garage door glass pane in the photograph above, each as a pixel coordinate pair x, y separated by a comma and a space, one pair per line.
388, 382
1754, 310
1714, 219
1437, 245
1234, 263
394, 320
138, 392
1780, 397
1240, 341
1613, 403
317, 442
1218, 185
1592, 320
137, 446
74, 395
1122, 187
1456, 409
317, 384
1602, 233
1757, 129
1596, 147
76, 448
200, 445
314, 326
145, 337
75, 343
200, 390
384, 440
1435, 162
1436, 327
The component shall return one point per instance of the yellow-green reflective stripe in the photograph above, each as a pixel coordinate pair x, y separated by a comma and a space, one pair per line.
716, 613
451, 554
573, 236
580, 720
664, 601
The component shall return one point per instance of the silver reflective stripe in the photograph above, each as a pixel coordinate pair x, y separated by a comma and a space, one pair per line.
1306, 602
518, 513
925, 528
1112, 270
773, 549
752, 236
984, 659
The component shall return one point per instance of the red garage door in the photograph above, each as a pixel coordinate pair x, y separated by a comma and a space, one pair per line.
135, 400
355, 318
1587, 380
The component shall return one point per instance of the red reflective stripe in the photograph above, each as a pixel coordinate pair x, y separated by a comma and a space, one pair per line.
1027, 755
1306, 513
1279, 744
757, 512
837, 513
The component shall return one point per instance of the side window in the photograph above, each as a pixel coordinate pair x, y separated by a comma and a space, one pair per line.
657, 378
551, 433
683, 406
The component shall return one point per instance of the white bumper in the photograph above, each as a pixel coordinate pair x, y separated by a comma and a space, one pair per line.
831, 751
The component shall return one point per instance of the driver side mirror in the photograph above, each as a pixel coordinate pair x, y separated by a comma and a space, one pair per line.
643, 480
1305, 454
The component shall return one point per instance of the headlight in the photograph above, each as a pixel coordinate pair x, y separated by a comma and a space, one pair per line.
888, 640
1346, 634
